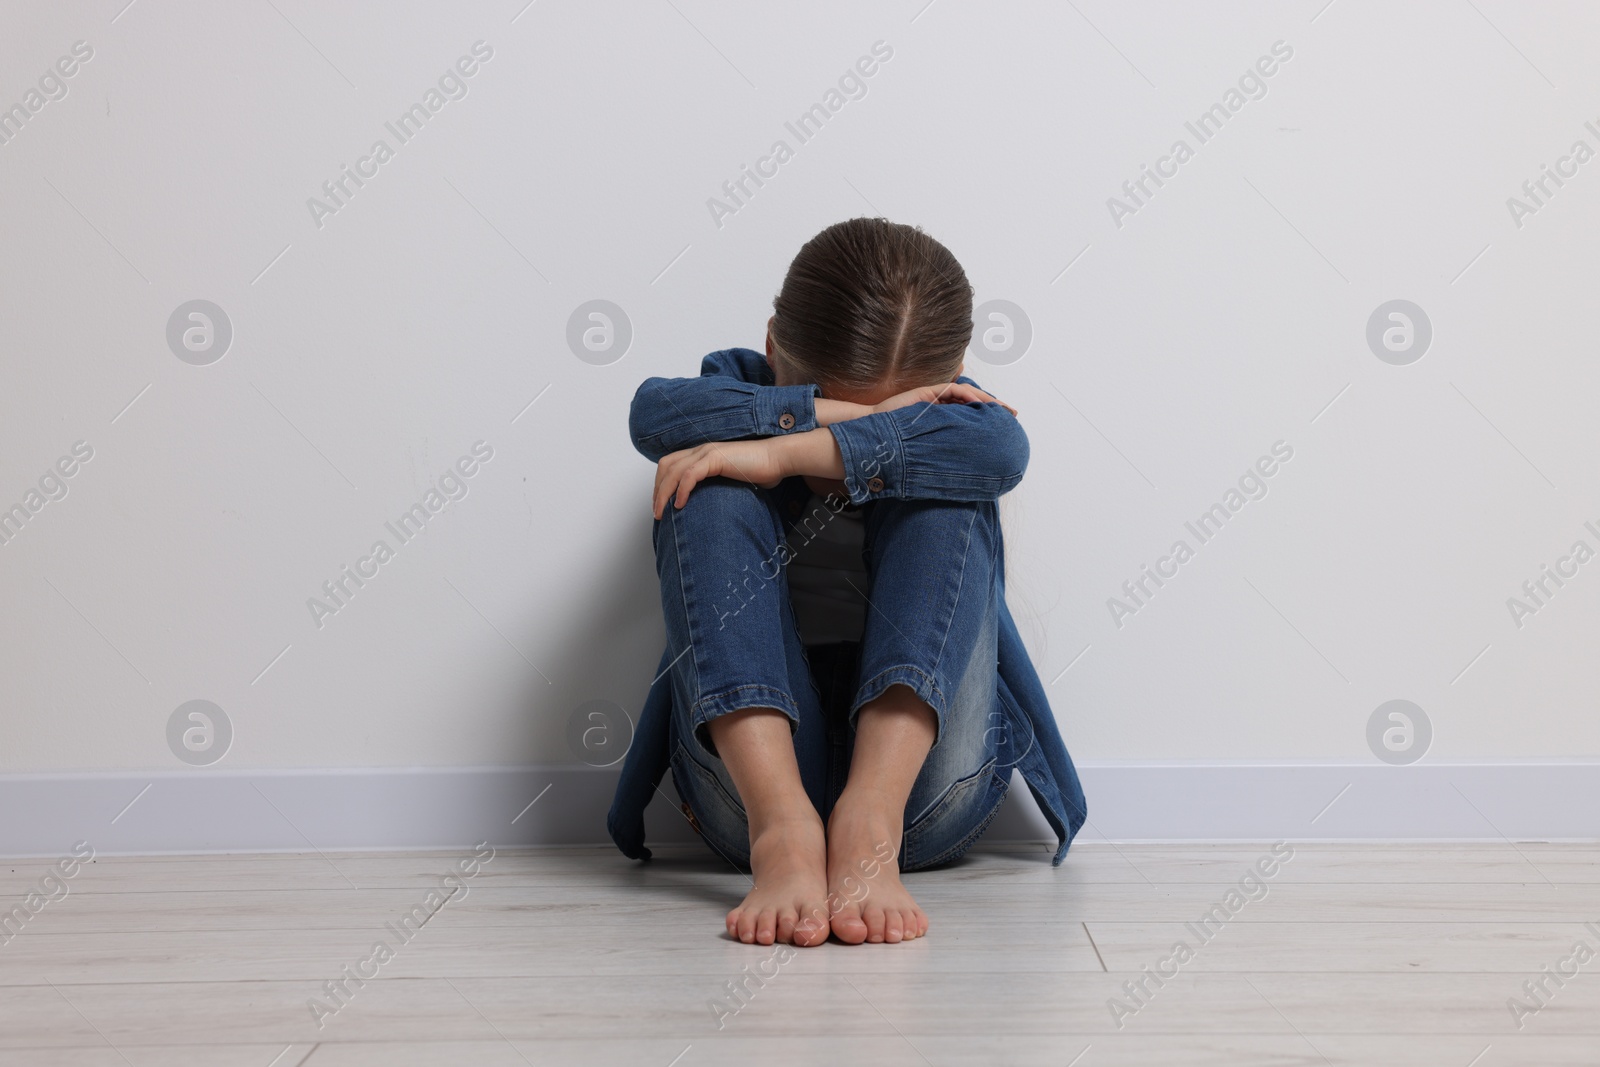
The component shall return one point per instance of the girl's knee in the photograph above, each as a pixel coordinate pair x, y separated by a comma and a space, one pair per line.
938, 532
720, 509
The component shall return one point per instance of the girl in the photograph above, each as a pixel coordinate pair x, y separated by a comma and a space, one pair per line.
844, 694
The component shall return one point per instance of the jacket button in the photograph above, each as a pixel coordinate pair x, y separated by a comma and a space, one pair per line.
875, 485
786, 421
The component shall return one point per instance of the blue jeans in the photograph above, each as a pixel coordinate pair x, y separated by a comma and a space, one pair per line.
931, 626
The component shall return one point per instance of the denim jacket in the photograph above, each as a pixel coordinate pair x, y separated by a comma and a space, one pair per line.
919, 452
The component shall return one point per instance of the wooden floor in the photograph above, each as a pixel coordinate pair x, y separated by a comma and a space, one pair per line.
1389, 955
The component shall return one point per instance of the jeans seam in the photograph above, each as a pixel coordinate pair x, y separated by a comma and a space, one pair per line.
683, 600
950, 618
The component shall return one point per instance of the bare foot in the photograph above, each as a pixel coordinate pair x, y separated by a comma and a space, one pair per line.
865, 896
789, 901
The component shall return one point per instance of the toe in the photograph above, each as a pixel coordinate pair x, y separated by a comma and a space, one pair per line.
848, 927
875, 922
809, 931
787, 919
733, 922
747, 925
766, 926
894, 930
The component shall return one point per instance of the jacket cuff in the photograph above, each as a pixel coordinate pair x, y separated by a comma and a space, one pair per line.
783, 409
874, 457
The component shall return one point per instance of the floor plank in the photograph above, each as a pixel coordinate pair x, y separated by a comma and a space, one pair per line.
442, 950
1353, 947
908, 1050
1000, 902
675, 866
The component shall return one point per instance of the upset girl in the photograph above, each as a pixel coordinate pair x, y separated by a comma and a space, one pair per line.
844, 694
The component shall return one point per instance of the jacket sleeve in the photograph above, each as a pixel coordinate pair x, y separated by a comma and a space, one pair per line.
933, 452
733, 398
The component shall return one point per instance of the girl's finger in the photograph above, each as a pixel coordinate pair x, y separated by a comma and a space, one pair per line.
685, 487
666, 481
984, 397
691, 478
663, 469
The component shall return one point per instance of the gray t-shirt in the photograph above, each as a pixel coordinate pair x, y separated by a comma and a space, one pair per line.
827, 576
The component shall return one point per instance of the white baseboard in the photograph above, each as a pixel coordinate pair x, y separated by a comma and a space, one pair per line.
340, 809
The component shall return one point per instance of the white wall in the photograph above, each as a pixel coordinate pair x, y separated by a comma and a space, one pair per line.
370, 351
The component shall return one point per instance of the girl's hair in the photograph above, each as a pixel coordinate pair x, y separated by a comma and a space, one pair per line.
871, 302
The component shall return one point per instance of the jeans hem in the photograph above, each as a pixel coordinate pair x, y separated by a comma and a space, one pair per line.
738, 698
914, 679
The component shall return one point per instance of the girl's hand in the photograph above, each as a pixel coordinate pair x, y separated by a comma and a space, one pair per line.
759, 462
948, 393
831, 411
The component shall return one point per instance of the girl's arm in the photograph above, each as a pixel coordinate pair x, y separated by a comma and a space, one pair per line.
932, 451
733, 398
921, 450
